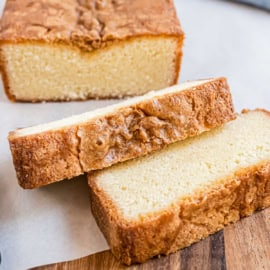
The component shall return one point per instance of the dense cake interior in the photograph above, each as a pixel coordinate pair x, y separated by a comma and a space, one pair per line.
77, 119
154, 182
38, 71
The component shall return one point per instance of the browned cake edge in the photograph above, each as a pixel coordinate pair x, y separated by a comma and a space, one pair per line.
126, 133
12, 97
88, 25
188, 221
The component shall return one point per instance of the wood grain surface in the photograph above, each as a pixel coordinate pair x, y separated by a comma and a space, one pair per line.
242, 246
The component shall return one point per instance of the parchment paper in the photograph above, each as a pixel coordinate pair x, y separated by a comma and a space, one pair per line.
54, 223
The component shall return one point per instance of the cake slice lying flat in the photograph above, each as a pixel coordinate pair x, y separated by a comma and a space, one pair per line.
174, 197
63, 149
70, 50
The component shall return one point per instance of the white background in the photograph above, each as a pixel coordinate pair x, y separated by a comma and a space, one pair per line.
54, 223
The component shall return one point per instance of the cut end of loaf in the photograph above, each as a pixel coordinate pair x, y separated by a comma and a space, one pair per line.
51, 72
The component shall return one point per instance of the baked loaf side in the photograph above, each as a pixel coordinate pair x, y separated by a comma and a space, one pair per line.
172, 198
88, 49
63, 149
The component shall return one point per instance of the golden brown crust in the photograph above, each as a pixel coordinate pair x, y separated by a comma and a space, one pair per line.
43, 158
87, 24
3, 71
185, 222
256, 110
126, 133
178, 59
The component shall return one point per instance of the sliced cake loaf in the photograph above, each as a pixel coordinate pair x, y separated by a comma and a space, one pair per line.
63, 149
172, 198
75, 50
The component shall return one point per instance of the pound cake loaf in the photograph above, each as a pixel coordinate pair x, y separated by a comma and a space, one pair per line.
63, 149
74, 50
172, 198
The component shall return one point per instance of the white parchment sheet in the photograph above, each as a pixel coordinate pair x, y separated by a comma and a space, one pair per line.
54, 223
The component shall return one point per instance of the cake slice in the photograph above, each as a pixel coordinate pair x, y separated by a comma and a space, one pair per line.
63, 149
75, 50
172, 198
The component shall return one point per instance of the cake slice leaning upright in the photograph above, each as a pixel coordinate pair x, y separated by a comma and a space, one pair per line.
75, 50
170, 199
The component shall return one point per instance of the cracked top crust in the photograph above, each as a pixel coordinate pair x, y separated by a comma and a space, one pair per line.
87, 24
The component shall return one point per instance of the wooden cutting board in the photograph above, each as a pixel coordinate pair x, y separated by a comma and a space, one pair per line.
245, 245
